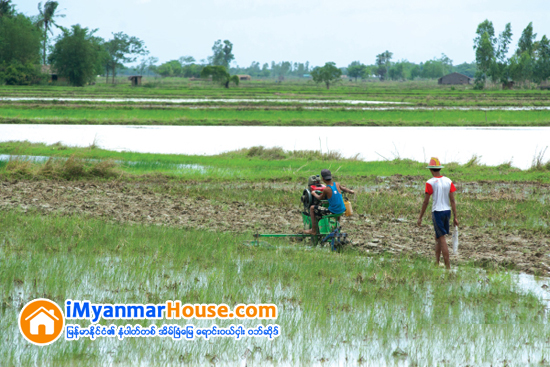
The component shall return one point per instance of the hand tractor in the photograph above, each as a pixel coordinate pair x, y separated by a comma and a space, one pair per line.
329, 225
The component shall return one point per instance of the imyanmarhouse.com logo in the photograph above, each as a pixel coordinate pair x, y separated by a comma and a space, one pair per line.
41, 321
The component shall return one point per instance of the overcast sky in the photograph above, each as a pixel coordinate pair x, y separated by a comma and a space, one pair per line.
304, 30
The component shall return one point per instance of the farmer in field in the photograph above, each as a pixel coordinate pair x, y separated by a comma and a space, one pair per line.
333, 193
442, 189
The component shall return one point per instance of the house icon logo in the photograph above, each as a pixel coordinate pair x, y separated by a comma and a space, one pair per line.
41, 321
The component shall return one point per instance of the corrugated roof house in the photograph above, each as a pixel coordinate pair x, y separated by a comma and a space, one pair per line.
454, 78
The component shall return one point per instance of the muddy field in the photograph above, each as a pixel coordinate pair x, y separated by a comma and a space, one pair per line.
125, 202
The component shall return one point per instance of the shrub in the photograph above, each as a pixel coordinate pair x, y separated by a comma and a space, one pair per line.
105, 169
19, 167
274, 153
16, 73
538, 164
474, 161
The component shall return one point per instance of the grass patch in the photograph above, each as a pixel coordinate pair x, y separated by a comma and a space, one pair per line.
500, 197
277, 153
270, 117
259, 165
72, 168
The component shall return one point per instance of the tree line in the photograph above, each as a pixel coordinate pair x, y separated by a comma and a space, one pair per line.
79, 55
529, 63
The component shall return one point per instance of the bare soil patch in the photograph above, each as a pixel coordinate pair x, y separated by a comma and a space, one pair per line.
136, 202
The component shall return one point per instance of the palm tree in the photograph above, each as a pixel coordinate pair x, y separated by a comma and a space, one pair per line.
47, 19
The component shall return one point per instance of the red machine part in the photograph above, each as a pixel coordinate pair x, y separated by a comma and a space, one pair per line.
317, 187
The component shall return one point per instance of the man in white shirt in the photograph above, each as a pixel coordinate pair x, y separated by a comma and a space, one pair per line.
442, 189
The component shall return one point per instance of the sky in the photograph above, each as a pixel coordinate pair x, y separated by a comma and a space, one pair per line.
317, 31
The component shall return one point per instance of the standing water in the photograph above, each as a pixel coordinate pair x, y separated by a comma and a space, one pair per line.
494, 146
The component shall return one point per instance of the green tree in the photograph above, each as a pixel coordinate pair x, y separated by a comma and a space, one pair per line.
447, 63
281, 69
432, 69
186, 60
500, 68
542, 64
122, 49
219, 74
504, 40
485, 57
75, 55
521, 67
147, 65
491, 53
485, 27
357, 70
265, 70
20, 43
46, 19
383, 64
327, 74
192, 70
484, 46
300, 69
416, 71
436, 68
397, 71
19, 40
526, 42
222, 54
6, 8
17, 73
170, 68
468, 69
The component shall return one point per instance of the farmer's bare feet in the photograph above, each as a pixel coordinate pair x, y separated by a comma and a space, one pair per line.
309, 231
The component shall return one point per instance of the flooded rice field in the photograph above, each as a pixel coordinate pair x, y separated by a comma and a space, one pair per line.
197, 100
383, 335
493, 146
315, 104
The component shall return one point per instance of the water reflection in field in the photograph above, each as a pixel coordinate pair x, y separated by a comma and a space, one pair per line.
494, 146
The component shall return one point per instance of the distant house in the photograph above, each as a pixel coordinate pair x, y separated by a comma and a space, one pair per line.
46, 69
244, 77
454, 78
135, 80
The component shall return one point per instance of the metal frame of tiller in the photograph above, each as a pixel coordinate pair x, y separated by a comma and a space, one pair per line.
336, 236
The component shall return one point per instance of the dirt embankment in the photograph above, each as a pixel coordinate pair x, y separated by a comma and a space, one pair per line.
137, 203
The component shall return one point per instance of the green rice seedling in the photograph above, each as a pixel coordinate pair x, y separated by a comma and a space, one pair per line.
413, 92
264, 116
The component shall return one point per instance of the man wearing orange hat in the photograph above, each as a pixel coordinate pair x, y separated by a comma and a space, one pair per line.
442, 189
